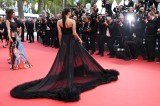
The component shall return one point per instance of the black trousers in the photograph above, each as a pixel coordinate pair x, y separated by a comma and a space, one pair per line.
101, 41
130, 47
150, 46
31, 36
52, 38
141, 50
47, 38
22, 35
27, 37
38, 35
55, 40
92, 42
85, 39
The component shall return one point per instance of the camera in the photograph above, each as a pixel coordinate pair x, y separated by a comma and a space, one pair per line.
145, 15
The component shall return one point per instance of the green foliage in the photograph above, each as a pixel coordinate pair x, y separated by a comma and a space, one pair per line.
54, 6
4, 4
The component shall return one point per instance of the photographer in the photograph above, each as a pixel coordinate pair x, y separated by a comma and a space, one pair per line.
129, 35
86, 33
31, 31
93, 26
79, 24
43, 30
101, 34
140, 32
54, 34
150, 32
48, 31
115, 34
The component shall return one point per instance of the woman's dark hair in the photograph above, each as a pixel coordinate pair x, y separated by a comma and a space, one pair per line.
64, 13
9, 13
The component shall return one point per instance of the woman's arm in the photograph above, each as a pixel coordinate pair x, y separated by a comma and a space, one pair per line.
75, 33
59, 32
8, 30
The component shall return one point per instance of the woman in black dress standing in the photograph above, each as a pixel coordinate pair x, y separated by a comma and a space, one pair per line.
73, 70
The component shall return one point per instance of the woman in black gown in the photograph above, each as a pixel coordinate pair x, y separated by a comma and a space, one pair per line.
73, 71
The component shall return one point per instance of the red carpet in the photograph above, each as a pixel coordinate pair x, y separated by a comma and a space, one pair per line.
138, 84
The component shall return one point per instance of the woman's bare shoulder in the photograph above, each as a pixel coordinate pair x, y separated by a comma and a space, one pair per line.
59, 21
71, 20
7, 21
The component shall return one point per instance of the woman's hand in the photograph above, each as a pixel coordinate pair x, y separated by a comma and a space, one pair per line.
19, 38
80, 41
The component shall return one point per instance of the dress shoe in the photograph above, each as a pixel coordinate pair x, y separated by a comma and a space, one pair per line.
102, 55
109, 54
134, 58
91, 53
150, 60
4, 46
127, 58
144, 58
158, 61
98, 53
112, 56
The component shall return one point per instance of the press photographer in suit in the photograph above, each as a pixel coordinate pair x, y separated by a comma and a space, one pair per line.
101, 34
86, 33
140, 32
150, 33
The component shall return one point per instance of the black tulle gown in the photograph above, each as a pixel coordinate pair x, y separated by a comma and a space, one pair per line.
73, 71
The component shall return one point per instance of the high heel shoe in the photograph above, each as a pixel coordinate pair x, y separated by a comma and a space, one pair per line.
4, 46
11, 68
9, 58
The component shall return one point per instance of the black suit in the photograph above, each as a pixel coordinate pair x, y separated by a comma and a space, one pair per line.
86, 35
150, 32
115, 35
27, 26
93, 26
101, 37
140, 31
31, 31
129, 42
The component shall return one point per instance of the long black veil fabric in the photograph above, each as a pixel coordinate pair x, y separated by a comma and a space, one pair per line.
73, 71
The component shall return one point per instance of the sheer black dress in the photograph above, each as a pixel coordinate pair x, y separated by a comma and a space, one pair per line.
73, 71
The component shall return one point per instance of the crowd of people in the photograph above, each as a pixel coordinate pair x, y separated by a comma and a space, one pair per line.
128, 32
